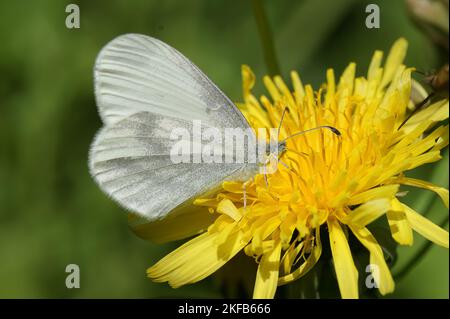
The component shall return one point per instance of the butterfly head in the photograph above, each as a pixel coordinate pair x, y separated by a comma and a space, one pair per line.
280, 149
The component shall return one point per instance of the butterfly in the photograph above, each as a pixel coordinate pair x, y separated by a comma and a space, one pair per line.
145, 90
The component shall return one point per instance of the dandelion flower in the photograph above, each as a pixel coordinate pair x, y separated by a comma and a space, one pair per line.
338, 184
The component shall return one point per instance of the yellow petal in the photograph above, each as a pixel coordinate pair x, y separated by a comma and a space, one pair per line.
227, 207
263, 231
299, 91
284, 89
380, 270
331, 86
233, 187
346, 273
264, 247
267, 274
347, 79
307, 265
208, 202
197, 259
289, 257
248, 80
436, 112
442, 140
374, 66
270, 86
394, 60
190, 221
367, 212
442, 192
426, 228
400, 229
386, 191
420, 160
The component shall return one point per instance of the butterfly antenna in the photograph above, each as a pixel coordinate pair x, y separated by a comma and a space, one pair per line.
331, 128
281, 121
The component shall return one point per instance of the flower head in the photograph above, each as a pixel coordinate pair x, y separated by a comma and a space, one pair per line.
338, 183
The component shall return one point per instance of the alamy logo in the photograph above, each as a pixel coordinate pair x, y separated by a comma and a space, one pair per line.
373, 18
203, 144
73, 17
373, 279
73, 279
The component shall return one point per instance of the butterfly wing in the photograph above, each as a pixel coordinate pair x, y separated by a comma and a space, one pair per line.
144, 90
135, 73
131, 162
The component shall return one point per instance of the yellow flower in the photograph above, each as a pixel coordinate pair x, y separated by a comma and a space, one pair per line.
341, 184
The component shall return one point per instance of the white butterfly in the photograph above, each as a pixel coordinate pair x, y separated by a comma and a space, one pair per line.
144, 89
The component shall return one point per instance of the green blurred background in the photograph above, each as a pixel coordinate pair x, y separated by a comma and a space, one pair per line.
51, 212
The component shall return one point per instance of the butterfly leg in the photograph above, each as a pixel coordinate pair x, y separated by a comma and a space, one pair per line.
284, 164
265, 167
265, 175
245, 195
244, 186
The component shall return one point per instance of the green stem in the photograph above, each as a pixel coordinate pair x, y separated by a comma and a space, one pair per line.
418, 255
265, 34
